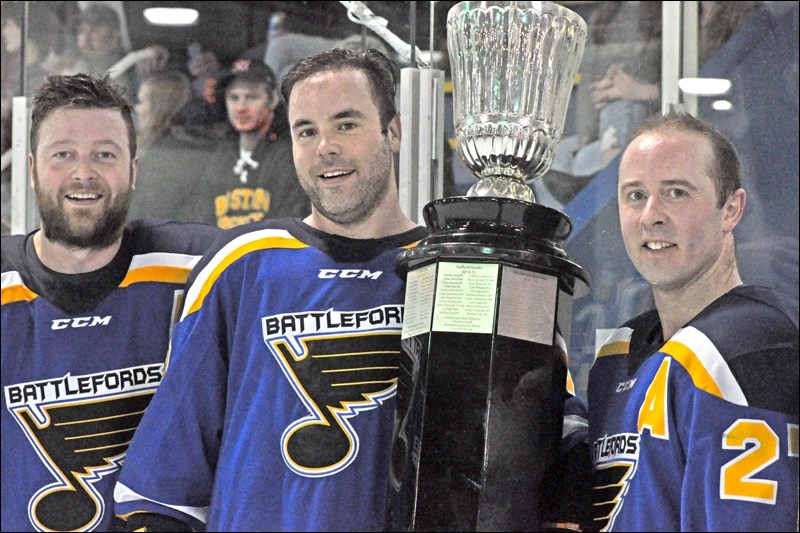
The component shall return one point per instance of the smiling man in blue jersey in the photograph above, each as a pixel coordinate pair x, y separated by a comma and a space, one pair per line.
88, 304
277, 407
693, 407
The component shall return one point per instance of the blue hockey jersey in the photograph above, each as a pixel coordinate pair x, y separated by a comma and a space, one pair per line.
276, 410
699, 433
82, 355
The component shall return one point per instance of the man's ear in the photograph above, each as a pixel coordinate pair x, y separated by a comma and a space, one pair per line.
134, 171
31, 168
394, 133
733, 209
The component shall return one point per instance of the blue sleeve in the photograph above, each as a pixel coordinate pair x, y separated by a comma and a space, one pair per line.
170, 465
576, 426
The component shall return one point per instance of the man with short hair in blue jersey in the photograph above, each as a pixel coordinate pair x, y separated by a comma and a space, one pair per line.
277, 407
693, 406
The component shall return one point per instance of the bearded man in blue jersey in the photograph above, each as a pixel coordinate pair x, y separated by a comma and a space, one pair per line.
87, 308
693, 406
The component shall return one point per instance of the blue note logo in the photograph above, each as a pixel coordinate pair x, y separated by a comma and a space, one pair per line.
340, 364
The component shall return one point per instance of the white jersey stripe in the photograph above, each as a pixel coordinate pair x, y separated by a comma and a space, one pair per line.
616, 343
712, 361
164, 259
11, 279
123, 494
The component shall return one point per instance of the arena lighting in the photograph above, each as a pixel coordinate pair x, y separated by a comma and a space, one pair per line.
171, 16
704, 86
721, 105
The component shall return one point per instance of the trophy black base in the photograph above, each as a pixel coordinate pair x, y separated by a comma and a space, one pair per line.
483, 373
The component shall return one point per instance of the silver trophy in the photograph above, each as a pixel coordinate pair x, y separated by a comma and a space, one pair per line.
513, 66
489, 292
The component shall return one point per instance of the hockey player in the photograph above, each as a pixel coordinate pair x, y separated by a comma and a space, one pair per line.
87, 308
693, 407
276, 411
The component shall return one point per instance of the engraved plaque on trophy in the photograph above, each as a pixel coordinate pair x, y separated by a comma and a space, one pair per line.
489, 292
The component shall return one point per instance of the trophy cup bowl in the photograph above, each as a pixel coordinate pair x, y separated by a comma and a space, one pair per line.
513, 66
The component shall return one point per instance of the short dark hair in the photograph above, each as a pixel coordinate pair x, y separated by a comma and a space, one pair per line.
79, 91
377, 67
725, 169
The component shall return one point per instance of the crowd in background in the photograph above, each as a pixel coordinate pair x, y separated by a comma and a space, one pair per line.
182, 116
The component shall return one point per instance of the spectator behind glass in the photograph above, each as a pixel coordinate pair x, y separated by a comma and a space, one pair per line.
98, 47
624, 40
627, 37
250, 175
287, 43
171, 159
160, 99
624, 97
629, 89
718, 22
203, 114
44, 41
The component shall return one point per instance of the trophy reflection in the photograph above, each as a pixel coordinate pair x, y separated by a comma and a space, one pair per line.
489, 293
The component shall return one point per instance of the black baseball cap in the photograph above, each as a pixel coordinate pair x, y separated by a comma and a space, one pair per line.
247, 70
251, 70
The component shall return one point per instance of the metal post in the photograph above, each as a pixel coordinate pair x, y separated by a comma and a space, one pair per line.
24, 216
670, 57
690, 48
421, 152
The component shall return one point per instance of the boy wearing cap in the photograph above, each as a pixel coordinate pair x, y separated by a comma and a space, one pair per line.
250, 176
97, 47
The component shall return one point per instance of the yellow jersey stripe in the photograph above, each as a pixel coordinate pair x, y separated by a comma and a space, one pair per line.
570, 384
163, 274
170, 259
16, 293
161, 267
562, 344
230, 253
14, 290
155, 267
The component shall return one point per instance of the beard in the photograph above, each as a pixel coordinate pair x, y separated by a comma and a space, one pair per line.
82, 230
352, 207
